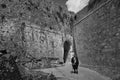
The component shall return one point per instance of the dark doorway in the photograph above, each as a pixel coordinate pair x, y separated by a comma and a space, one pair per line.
67, 45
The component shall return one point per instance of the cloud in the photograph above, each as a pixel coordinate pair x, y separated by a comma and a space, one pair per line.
76, 5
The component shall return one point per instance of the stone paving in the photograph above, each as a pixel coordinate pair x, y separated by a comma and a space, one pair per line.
64, 73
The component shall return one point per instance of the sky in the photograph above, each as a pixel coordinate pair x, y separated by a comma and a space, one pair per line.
73, 5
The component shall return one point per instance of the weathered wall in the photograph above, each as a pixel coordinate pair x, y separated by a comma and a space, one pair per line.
11, 37
37, 42
43, 43
97, 36
52, 20
31, 29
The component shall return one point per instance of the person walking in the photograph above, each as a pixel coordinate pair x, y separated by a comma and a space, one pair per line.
75, 63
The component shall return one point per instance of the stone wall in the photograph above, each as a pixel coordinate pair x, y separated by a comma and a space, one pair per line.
34, 40
11, 38
43, 43
97, 36
32, 29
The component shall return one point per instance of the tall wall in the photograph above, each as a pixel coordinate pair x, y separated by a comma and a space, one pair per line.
35, 26
97, 36
36, 41
43, 43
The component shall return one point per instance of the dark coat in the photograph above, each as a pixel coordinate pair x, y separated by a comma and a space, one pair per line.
75, 62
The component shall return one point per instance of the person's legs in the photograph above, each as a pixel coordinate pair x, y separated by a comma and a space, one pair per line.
76, 69
73, 67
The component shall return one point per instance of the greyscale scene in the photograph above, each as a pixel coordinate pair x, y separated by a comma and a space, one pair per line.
59, 39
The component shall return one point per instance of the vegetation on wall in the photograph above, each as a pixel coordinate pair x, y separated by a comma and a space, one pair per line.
43, 13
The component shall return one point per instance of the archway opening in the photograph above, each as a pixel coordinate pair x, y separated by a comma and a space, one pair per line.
67, 45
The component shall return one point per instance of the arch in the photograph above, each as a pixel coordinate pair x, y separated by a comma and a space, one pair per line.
67, 45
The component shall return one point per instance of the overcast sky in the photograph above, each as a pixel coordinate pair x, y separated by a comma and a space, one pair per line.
73, 5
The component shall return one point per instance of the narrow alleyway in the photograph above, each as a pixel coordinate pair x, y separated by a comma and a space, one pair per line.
64, 73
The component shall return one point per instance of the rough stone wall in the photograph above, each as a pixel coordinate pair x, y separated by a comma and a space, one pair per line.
97, 37
52, 20
39, 43
11, 37
43, 43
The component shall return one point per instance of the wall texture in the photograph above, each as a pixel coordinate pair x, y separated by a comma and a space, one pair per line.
39, 43
97, 36
43, 43
37, 27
